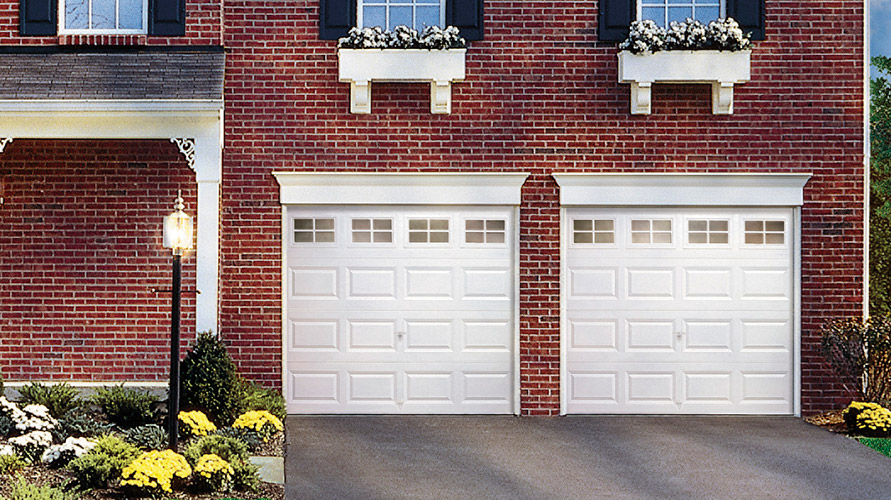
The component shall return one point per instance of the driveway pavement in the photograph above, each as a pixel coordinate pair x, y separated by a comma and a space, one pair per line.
577, 458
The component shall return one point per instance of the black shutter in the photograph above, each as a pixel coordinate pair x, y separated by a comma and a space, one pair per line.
467, 16
37, 17
167, 17
336, 17
750, 16
614, 19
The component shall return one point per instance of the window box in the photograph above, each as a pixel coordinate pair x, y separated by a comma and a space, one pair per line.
440, 68
722, 69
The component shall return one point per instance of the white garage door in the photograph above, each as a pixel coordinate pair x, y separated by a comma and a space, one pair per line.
399, 310
679, 311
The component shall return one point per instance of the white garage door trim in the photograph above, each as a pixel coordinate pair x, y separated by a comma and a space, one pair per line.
688, 190
429, 189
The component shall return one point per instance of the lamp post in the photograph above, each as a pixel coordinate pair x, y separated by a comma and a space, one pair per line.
178, 237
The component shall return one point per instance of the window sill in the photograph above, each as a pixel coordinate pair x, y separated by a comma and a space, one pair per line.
721, 69
440, 68
104, 40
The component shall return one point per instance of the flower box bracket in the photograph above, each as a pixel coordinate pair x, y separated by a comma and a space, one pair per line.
439, 68
721, 69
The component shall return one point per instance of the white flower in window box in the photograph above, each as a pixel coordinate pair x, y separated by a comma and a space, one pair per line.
436, 56
718, 54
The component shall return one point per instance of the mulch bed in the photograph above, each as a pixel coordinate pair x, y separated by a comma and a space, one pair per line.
831, 421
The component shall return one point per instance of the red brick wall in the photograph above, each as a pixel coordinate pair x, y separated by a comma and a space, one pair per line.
541, 95
203, 27
80, 251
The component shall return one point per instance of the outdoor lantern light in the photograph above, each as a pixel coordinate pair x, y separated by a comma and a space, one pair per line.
177, 236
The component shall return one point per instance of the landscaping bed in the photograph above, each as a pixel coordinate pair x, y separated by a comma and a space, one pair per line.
872, 429
56, 444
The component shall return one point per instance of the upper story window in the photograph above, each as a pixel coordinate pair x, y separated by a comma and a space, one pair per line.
103, 16
666, 11
388, 14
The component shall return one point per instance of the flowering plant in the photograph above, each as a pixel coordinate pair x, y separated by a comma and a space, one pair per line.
403, 37
869, 419
58, 455
195, 423
155, 471
31, 446
261, 421
213, 473
29, 418
723, 34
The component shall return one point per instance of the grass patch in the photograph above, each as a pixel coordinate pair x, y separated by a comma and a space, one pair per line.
881, 445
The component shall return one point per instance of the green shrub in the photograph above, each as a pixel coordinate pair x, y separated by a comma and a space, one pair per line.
103, 463
126, 407
246, 476
210, 382
224, 447
147, 437
881, 445
249, 437
79, 423
59, 399
261, 398
23, 490
6, 425
859, 350
11, 463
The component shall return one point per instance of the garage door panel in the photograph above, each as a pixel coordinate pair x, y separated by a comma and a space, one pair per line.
685, 326
404, 322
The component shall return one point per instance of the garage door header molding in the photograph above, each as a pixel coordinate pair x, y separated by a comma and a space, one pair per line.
659, 189
329, 188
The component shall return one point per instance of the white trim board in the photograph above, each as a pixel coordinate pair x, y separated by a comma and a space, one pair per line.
667, 189
327, 188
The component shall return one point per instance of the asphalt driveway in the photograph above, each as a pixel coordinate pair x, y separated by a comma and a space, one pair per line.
577, 457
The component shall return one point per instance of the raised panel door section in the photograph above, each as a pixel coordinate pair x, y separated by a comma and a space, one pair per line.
685, 311
417, 319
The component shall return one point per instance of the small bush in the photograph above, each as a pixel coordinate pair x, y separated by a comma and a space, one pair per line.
6, 425
23, 490
103, 463
78, 423
31, 446
59, 455
261, 398
210, 382
126, 407
195, 423
859, 350
262, 422
225, 447
147, 437
11, 463
212, 473
246, 476
58, 398
154, 472
247, 436
30, 418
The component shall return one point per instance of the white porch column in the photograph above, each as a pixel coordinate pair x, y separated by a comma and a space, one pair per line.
208, 169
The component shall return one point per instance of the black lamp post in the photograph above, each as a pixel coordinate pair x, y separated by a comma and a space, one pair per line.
178, 237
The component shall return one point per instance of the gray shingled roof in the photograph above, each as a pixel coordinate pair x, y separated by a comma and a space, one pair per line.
142, 75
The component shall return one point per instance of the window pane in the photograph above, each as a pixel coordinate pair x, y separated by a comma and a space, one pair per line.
655, 13
640, 237
774, 225
697, 225
474, 225
706, 15
495, 225
698, 238
474, 237
640, 225
754, 225
324, 223
374, 16
582, 238
426, 16
495, 238
439, 237
103, 15
417, 224
325, 237
582, 225
754, 238
302, 223
604, 225
383, 224
661, 225
439, 224
400, 16
361, 237
76, 14
417, 237
774, 238
718, 238
385, 237
361, 224
718, 225
661, 237
603, 238
130, 14
679, 13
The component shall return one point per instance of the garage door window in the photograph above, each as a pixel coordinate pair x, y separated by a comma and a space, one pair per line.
428, 231
599, 231
644, 231
484, 231
372, 230
765, 232
708, 232
313, 230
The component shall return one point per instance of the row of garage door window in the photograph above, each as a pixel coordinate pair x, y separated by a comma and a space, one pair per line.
584, 231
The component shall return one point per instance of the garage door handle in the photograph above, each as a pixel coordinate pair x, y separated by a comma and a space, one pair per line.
400, 334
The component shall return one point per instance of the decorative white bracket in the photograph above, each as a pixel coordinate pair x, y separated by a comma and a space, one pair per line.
187, 148
361, 67
4, 141
720, 69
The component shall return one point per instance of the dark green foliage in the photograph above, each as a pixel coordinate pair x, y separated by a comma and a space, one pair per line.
6, 425
147, 437
103, 463
881, 445
859, 350
224, 447
59, 399
261, 398
880, 197
210, 382
11, 463
251, 438
126, 407
23, 490
79, 423
245, 475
